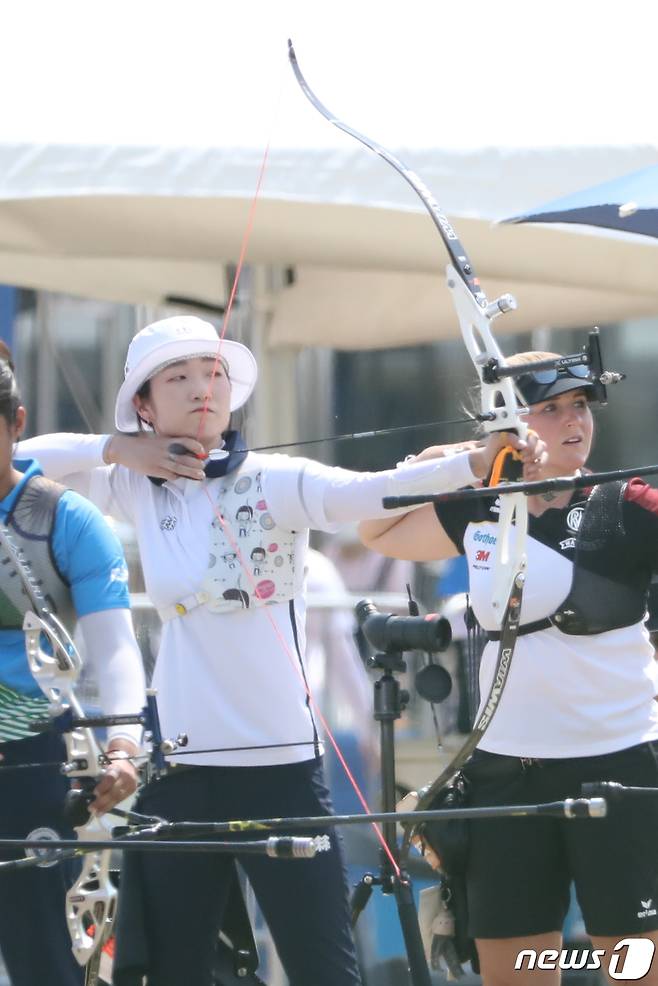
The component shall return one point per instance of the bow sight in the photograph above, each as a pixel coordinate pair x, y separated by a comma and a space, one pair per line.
493, 370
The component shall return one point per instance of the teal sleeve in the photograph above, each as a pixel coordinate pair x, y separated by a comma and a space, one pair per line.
89, 556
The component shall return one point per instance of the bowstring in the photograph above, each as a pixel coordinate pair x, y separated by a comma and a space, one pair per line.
226, 527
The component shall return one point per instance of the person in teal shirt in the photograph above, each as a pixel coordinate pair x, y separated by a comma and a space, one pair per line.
79, 565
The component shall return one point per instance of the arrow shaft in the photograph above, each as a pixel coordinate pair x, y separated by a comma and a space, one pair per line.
555, 485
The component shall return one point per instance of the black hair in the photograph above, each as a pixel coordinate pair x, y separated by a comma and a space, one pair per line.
5, 354
10, 398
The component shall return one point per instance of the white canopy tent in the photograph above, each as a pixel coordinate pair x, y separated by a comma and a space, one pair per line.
141, 224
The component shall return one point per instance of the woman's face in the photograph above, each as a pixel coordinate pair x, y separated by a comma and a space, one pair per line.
189, 399
565, 424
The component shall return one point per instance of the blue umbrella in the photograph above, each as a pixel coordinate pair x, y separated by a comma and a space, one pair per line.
628, 204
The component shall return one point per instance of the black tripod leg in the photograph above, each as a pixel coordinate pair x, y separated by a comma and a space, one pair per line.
418, 969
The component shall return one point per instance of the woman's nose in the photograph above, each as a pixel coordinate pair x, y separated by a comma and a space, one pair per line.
199, 387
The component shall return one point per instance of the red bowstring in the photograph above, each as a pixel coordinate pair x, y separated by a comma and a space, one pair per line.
229, 534
298, 670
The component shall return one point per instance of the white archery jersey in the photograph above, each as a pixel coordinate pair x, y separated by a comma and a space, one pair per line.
230, 672
566, 695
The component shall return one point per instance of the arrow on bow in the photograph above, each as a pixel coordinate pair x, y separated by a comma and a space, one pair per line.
534, 488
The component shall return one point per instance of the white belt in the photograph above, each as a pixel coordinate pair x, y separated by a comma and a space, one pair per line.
184, 606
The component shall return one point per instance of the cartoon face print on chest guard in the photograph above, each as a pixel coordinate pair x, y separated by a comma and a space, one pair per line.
258, 556
244, 515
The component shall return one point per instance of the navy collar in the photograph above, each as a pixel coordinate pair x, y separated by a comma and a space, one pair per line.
235, 452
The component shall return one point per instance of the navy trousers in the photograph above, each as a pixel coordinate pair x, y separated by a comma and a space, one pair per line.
171, 905
34, 938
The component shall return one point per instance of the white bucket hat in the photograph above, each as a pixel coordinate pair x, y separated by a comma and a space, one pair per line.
178, 338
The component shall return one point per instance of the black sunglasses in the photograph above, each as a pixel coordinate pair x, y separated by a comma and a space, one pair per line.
546, 377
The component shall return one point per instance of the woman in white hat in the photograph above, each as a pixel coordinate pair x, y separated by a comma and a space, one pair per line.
222, 535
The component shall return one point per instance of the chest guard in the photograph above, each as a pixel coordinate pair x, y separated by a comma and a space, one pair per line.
30, 523
272, 556
596, 602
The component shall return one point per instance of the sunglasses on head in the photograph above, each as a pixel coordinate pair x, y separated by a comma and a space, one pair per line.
546, 377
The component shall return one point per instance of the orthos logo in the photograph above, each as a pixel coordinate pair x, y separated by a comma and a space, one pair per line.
630, 959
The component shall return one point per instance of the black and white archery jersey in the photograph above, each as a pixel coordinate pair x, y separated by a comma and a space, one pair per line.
567, 695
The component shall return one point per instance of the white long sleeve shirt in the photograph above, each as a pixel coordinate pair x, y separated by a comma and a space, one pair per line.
234, 681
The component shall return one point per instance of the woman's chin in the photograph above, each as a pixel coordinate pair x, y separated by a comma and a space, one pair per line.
210, 441
208, 435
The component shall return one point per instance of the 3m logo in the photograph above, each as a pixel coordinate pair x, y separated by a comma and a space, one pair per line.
482, 556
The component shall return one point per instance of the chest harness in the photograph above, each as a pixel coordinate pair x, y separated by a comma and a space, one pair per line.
596, 602
30, 523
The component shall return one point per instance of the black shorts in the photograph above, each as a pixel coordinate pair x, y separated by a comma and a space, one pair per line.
519, 870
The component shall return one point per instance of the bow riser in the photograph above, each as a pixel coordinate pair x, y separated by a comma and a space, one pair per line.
500, 412
92, 899
57, 674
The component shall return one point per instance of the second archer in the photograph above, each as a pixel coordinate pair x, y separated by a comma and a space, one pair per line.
578, 703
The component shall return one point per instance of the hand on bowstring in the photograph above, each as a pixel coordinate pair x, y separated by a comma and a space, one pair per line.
157, 455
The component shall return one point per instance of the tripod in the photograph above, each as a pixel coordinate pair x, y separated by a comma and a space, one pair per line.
389, 702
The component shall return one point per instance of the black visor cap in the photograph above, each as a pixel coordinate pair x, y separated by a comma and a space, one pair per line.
538, 387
